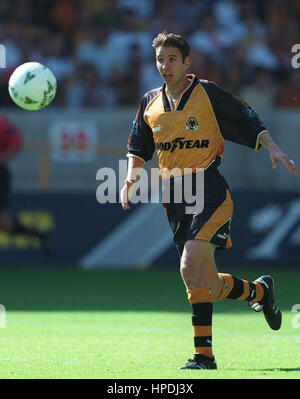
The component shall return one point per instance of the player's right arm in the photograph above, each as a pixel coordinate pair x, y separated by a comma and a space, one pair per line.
135, 164
140, 149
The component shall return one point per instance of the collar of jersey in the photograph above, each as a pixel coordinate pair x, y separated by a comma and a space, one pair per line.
168, 104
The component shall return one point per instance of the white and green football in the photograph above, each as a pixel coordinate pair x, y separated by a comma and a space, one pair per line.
32, 86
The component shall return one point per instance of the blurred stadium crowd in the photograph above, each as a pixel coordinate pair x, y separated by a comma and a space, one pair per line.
101, 53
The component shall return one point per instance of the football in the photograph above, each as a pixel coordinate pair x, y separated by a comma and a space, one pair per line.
32, 86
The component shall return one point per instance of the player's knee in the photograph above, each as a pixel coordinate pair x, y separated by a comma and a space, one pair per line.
189, 268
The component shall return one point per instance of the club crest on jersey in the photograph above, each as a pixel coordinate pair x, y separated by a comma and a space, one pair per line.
191, 123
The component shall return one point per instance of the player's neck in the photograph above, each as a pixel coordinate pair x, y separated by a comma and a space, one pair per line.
175, 91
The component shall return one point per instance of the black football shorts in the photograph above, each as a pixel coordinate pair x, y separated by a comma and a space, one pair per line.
212, 224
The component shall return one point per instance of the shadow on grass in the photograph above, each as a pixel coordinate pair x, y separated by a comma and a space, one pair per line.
118, 290
277, 369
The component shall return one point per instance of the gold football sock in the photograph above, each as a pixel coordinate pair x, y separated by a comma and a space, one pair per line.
201, 300
243, 290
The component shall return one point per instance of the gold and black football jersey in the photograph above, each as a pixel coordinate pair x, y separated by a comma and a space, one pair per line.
191, 134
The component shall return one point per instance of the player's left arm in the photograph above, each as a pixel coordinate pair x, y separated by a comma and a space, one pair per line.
276, 154
240, 123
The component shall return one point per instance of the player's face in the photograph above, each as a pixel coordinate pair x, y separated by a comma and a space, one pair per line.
171, 66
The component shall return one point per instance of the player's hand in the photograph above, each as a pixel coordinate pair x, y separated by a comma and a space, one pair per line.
277, 155
124, 195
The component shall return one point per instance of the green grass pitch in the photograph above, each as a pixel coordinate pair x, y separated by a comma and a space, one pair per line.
67, 324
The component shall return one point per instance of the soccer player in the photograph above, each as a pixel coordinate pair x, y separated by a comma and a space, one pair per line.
10, 145
195, 116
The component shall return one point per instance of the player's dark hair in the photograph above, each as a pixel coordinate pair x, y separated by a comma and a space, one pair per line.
165, 39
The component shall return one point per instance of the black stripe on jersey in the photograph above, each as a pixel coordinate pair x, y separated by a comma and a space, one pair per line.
149, 97
140, 142
186, 95
166, 103
237, 121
